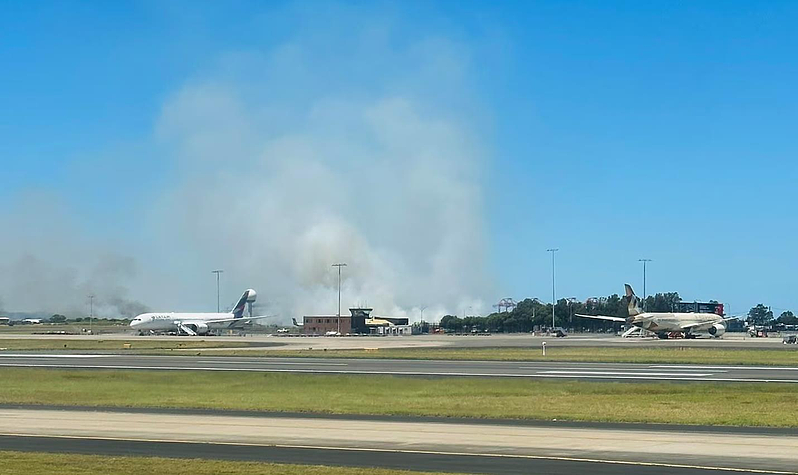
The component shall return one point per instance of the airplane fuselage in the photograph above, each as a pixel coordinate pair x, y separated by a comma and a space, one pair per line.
675, 322
195, 323
663, 323
164, 322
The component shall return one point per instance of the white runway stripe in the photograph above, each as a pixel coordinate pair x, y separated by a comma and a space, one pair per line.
622, 373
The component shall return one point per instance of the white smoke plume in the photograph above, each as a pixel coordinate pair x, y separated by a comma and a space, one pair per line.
389, 183
345, 143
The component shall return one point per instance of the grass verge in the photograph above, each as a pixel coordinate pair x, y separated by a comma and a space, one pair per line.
28, 344
34, 463
673, 403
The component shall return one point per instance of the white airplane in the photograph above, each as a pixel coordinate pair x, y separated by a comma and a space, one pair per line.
691, 324
196, 323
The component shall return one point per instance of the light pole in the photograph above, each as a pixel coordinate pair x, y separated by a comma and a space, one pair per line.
644, 261
553, 288
422, 312
218, 273
91, 314
571, 301
339, 294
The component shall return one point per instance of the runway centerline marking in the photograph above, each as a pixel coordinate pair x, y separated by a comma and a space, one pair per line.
36, 355
699, 367
269, 363
611, 367
621, 373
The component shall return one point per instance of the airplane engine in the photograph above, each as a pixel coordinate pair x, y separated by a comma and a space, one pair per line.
199, 328
717, 330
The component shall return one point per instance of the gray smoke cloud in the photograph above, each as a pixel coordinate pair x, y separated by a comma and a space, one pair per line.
47, 265
37, 285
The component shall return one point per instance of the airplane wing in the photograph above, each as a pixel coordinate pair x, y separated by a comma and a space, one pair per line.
603, 317
698, 324
706, 324
240, 319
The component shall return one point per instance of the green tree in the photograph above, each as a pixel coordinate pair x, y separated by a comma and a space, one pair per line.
788, 318
57, 318
760, 315
452, 323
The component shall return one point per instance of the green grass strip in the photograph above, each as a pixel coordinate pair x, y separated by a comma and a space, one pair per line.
34, 463
735, 404
50, 344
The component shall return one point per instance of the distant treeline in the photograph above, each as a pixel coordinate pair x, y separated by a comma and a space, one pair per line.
58, 318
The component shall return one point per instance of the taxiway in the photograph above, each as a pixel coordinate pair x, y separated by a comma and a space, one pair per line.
399, 367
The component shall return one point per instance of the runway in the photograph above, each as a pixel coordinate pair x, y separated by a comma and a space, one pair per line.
428, 368
415, 445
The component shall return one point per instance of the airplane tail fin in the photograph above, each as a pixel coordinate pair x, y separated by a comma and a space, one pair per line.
295, 323
634, 301
248, 297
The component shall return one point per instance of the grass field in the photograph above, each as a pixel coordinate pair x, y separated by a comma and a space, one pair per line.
707, 403
135, 345
687, 355
33, 463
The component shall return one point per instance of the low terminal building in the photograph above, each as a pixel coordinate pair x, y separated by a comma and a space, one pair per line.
322, 324
359, 322
393, 330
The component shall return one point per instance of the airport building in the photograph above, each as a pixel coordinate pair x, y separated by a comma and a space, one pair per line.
359, 321
393, 330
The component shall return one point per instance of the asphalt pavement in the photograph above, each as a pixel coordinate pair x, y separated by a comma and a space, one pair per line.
415, 445
332, 457
429, 368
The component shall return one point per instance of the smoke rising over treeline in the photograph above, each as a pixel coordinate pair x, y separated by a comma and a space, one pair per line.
36, 285
346, 143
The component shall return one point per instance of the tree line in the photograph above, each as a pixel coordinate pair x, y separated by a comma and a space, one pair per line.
763, 315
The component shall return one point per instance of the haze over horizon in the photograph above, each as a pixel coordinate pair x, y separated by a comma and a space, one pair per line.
437, 148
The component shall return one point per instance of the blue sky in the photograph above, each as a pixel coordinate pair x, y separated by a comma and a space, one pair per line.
612, 130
